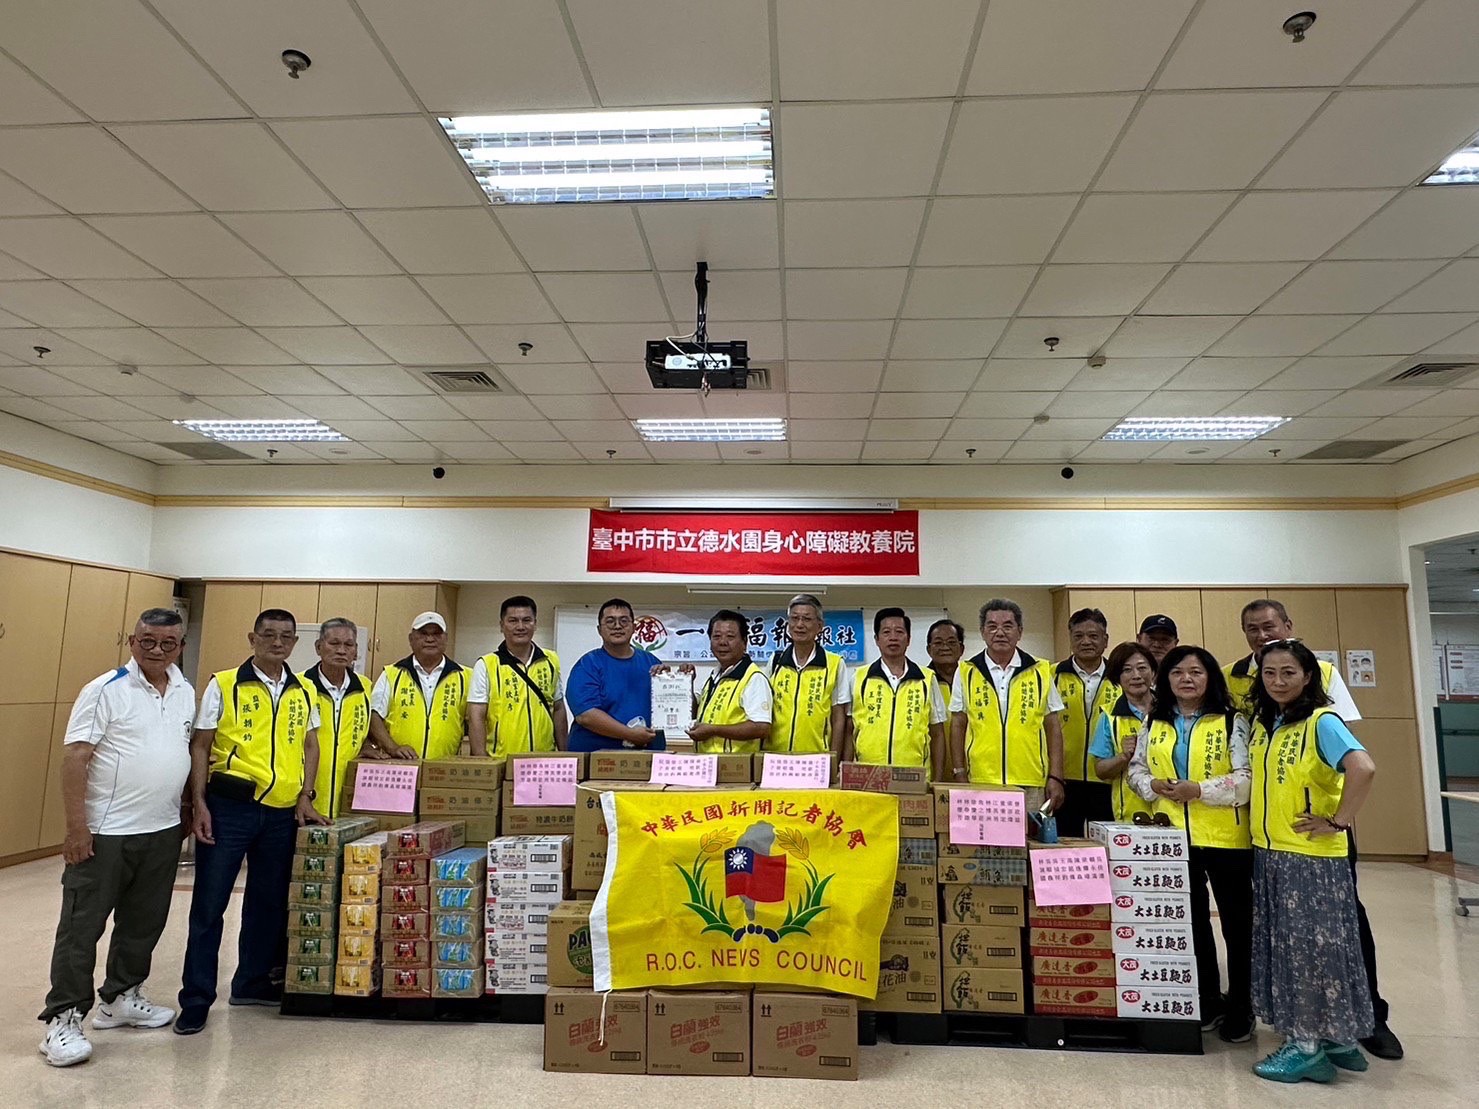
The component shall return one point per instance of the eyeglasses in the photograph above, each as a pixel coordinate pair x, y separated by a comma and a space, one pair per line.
1148, 820
277, 637
165, 645
617, 622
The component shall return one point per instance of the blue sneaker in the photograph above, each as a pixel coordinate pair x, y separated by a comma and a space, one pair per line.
1346, 1058
1289, 1064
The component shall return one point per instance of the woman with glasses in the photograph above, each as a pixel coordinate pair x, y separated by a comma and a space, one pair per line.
1193, 767
1310, 778
1132, 668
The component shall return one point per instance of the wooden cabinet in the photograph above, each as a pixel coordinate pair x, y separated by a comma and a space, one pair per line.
1182, 605
354, 601
298, 597
229, 609
1118, 606
1222, 627
396, 605
1376, 620
92, 633
25, 741
1391, 821
33, 602
145, 591
53, 816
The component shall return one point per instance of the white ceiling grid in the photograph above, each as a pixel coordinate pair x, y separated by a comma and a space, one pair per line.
1230, 218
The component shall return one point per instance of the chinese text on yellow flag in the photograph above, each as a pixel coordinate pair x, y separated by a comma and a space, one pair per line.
786, 888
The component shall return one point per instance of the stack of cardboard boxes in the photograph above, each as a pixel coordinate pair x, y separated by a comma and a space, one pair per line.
352, 803
313, 897
465, 789
528, 877
537, 820
357, 959
405, 903
457, 881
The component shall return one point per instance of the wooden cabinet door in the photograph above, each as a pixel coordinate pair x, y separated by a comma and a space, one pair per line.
395, 607
1118, 606
53, 815
298, 597
1312, 612
354, 601
446, 604
25, 740
1393, 820
145, 591
1376, 619
229, 609
1222, 629
91, 635
1182, 605
33, 599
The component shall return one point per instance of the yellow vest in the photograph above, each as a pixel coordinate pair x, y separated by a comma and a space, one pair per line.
342, 728
1125, 725
259, 741
719, 703
436, 734
1289, 779
801, 705
1208, 755
889, 726
1079, 719
1241, 677
518, 720
1015, 754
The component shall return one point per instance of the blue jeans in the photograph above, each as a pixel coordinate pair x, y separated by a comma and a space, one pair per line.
264, 837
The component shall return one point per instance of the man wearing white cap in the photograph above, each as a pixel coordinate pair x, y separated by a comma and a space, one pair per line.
418, 704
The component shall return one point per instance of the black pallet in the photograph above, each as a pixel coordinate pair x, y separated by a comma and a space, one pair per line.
867, 1028
1044, 1032
490, 1008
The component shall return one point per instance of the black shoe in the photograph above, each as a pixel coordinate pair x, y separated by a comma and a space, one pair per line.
1212, 1021
266, 999
192, 1019
1383, 1042
1236, 1028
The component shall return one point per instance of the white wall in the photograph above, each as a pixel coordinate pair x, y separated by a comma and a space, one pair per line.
1450, 628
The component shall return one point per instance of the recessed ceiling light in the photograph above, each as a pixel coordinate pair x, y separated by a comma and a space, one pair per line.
1165, 429
1459, 168
762, 429
264, 431
677, 154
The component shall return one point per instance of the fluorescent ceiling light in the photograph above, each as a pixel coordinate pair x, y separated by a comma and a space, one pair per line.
764, 429
264, 431
1459, 168
687, 154
1143, 429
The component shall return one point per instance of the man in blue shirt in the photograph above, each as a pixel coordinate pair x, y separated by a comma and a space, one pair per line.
609, 691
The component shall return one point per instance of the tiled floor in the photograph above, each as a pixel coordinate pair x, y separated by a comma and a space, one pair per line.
252, 1057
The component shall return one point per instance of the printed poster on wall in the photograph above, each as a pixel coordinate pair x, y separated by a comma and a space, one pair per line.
1462, 665
1360, 668
682, 635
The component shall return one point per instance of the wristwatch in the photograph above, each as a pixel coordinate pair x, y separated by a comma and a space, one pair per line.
311, 794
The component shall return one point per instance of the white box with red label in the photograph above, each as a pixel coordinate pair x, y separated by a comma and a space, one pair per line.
1157, 938
1134, 842
1126, 876
1148, 908
1174, 971
1157, 1003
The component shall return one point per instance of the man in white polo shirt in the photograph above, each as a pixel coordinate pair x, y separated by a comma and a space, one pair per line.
127, 757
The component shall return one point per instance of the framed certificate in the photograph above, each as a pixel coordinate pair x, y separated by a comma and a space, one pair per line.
672, 703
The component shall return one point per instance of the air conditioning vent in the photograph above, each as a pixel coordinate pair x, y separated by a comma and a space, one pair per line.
1432, 374
1350, 450
759, 379
462, 381
205, 450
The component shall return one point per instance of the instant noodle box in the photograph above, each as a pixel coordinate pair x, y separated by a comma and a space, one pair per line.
310, 895
831, 767
354, 980
1078, 971
535, 888
1135, 842
941, 791
804, 1035
463, 773
698, 1032
916, 816
589, 1033
1070, 941
620, 766
580, 758
458, 953
517, 947
429, 837
1148, 877
1135, 938
883, 778
1175, 971
405, 925
916, 902
1075, 1001
456, 926
544, 854
1171, 907
480, 829
514, 917
405, 898
918, 852
537, 820
455, 899
516, 978
405, 981
983, 872
571, 962
988, 948
908, 975
975, 990
1158, 1003
998, 906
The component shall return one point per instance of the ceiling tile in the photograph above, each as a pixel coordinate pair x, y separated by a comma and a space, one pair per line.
1370, 138
580, 406
752, 452
596, 431
844, 294
1219, 288
1432, 47
108, 60
186, 245
1454, 289
134, 346
240, 41
814, 451
552, 342
1028, 450
1025, 375
916, 405
831, 406
1228, 373
1205, 140
334, 409
427, 346
424, 407
329, 346
17, 200
383, 431
476, 452
298, 382
1271, 227
918, 451
1189, 452
342, 452
1127, 374
852, 232
573, 379
385, 381
833, 377
931, 339
960, 292
1451, 402
1153, 228
832, 150
1069, 430
990, 230
460, 61
155, 303
23, 99
989, 429
36, 382
665, 404
265, 301
1348, 286
195, 380
458, 241
1086, 405
491, 298
426, 171
1265, 336
853, 339
234, 345
13, 270
827, 430
605, 297
741, 235
519, 431
1091, 290
1370, 402
576, 236
1031, 145
84, 169
553, 451
998, 405
738, 295
65, 247
1167, 336
504, 408
376, 300
1397, 333
311, 243
742, 404
1072, 45
52, 304
624, 377
236, 166
1420, 223
405, 451
913, 51
98, 408
1078, 337
186, 406
1465, 344
1276, 402
1408, 427
1328, 373
932, 376
1200, 402
19, 343
1101, 451
39, 411
907, 430
94, 431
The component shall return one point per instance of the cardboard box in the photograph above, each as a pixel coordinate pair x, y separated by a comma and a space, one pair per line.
308, 977
569, 945
406, 870
386, 822
1132, 842
363, 920
354, 980
803, 1035
1171, 907
982, 872
1158, 1003
588, 1033
411, 925
438, 801
457, 982
312, 895
360, 889
534, 888
329, 839
620, 766
516, 917
365, 854
948, 850
530, 949
883, 778
1061, 970
467, 866
311, 950
588, 866
580, 758
1147, 877
537, 820
405, 981
759, 768
455, 899
916, 902
1075, 1001
459, 953
315, 868
918, 852
480, 829
429, 837
908, 975
531, 854
698, 1032
1160, 937
916, 816
974, 990
357, 948
405, 953
984, 947
456, 926
1174, 971
997, 906
1077, 914
1070, 941
517, 978
941, 792
405, 898
485, 774
311, 922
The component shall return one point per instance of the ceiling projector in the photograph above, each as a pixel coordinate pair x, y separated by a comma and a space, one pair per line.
695, 361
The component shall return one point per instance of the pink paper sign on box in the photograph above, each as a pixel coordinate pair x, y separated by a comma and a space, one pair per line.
545, 781
796, 772
997, 818
684, 770
386, 787
1070, 876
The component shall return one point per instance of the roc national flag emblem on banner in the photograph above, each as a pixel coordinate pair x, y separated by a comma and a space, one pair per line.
781, 888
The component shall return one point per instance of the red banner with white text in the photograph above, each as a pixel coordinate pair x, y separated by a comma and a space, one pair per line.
803, 544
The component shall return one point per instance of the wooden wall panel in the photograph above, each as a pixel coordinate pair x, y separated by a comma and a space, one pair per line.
24, 744
354, 601
395, 607
33, 597
230, 608
145, 591
1222, 631
1312, 612
92, 628
1118, 606
298, 597
53, 816
1377, 619
1182, 605
1391, 822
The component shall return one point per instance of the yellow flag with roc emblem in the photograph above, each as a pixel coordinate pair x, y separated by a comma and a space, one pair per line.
781, 888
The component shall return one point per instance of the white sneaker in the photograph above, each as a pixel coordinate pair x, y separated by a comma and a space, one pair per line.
65, 1043
133, 1010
